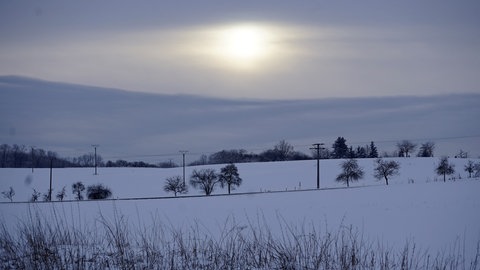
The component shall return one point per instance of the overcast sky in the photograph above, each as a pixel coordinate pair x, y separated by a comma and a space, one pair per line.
247, 49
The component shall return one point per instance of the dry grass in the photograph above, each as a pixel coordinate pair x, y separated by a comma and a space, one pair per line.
58, 241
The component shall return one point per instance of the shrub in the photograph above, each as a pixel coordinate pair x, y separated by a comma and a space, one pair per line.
98, 192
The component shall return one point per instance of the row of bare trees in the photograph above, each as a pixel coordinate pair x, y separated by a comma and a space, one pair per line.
93, 192
384, 169
351, 171
206, 180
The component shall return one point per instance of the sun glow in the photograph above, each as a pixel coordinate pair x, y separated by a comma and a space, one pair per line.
243, 46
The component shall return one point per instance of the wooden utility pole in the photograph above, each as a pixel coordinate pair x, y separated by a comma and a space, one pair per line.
95, 147
33, 157
183, 153
50, 189
318, 147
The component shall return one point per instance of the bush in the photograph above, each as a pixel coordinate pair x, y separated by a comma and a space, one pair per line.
98, 192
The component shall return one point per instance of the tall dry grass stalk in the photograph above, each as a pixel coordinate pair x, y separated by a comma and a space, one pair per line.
57, 240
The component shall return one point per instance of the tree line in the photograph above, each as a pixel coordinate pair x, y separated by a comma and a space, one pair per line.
284, 151
20, 156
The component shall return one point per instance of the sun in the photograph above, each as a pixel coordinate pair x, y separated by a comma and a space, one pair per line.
243, 46
244, 43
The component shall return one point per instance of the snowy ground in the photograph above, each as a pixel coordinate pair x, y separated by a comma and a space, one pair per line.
435, 215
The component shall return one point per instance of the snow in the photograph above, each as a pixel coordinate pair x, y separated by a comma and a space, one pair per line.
435, 215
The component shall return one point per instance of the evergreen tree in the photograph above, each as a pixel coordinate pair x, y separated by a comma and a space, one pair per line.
340, 148
373, 151
351, 153
361, 152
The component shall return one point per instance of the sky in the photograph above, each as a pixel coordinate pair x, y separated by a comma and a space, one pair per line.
247, 49
70, 118
210, 75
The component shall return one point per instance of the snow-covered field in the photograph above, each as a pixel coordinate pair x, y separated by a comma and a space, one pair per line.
417, 206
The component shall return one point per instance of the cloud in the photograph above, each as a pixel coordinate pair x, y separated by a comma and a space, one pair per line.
72, 117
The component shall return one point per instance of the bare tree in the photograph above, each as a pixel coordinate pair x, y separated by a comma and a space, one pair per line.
62, 194
476, 168
426, 149
462, 154
405, 147
77, 189
9, 194
445, 168
386, 169
470, 168
229, 176
47, 196
205, 179
351, 172
35, 195
176, 185
284, 149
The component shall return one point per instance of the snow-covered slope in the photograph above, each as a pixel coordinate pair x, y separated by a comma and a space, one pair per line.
434, 214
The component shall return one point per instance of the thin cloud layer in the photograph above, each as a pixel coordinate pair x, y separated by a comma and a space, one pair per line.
311, 49
69, 118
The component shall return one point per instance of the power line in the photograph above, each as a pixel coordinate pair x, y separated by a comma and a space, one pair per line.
158, 155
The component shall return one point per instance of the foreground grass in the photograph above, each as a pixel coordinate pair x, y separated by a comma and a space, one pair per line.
48, 241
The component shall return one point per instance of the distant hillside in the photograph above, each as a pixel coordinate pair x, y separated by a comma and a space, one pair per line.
69, 118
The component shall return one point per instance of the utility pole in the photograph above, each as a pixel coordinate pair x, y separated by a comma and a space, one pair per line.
33, 158
183, 153
50, 189
95, 147
318, 147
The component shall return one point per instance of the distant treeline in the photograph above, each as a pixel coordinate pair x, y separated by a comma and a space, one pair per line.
20, 156
284, 151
